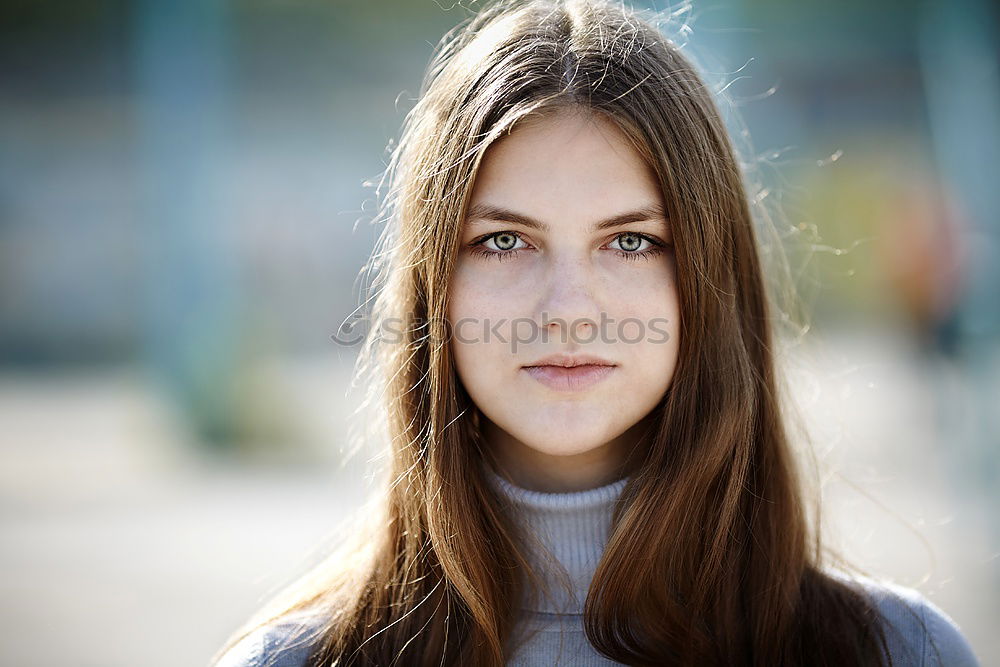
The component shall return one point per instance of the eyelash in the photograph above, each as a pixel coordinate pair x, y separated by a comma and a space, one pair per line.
476, 247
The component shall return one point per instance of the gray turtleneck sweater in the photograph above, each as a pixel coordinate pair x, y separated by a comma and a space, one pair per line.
572, 531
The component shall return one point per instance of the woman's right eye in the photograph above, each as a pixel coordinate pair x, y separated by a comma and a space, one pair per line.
504, 245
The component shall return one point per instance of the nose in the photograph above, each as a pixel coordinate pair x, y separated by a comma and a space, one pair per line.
569, 303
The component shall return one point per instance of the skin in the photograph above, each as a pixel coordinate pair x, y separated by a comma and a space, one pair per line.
569, 171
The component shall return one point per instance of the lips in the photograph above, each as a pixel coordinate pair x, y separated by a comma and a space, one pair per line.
570, 378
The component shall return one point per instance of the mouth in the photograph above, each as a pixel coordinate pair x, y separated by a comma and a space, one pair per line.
570, 378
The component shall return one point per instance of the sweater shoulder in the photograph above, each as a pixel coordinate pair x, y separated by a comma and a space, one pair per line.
918, 632
287, 642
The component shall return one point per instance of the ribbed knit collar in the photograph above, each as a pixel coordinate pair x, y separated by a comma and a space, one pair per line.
573, 529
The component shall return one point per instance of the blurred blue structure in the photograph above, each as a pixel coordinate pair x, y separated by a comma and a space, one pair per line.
192, 325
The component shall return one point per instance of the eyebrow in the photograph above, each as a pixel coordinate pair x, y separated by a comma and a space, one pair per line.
484, 212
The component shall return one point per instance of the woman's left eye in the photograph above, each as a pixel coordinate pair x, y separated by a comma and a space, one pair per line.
630, 242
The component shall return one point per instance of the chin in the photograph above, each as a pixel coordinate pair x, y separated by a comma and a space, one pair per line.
567, 448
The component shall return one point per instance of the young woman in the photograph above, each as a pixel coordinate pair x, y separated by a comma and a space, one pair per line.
573, 343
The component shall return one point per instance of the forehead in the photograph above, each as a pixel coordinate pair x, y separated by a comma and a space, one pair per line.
567, 155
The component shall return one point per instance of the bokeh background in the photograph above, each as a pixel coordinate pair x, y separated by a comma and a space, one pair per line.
186, 202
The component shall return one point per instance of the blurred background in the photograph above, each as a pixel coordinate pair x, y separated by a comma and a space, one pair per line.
184, 215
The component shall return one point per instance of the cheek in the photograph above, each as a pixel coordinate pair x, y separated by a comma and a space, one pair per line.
480, 294
647, 295
478, 317
651, 338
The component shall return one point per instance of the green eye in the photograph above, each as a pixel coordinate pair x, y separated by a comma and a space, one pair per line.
629, 248
633, 242
505, 240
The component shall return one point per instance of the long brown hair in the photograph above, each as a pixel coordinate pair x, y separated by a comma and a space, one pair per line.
716, 513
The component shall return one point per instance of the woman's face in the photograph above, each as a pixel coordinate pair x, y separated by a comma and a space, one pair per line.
547, 266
